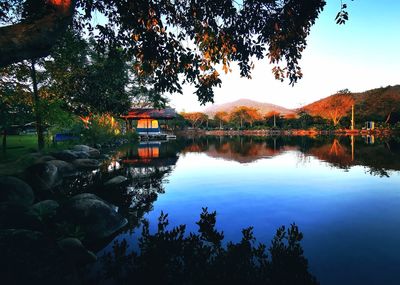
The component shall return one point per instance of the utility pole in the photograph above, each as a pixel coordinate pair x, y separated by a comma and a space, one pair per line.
274, 121
352, 117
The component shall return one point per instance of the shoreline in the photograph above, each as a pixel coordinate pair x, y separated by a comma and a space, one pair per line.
342, 132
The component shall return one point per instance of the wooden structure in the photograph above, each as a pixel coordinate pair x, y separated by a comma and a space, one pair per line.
148, 126
370, 125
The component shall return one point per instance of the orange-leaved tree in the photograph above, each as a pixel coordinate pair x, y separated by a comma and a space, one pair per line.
243, 114
337, 107
222, 117
195, 118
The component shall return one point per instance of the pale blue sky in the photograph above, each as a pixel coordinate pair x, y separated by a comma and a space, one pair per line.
360, 55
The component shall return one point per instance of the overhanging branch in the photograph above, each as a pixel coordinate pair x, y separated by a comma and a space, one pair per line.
34, 39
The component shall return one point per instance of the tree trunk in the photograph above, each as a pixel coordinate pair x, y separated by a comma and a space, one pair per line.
34, 39
4, 140
388, 117
38, 115
241, 123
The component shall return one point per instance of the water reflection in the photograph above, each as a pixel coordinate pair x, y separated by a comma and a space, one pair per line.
378, 155
254, 181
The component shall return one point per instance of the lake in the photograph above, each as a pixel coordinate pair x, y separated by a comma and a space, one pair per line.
342, 192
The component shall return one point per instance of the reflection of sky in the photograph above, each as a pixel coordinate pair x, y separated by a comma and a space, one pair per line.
349, 218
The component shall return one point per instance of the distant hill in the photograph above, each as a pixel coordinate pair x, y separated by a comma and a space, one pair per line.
263, 108
375, 104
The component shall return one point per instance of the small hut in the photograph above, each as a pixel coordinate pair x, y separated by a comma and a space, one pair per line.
148, 126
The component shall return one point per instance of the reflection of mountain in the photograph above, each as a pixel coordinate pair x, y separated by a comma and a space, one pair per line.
239, 149
248, 153
349, 151
342, 152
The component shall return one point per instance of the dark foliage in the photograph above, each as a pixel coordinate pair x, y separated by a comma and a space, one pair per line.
173, 257
180, 42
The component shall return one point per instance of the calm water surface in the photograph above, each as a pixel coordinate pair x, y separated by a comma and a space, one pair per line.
343, 193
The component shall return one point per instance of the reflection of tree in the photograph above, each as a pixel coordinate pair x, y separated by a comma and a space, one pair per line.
335, 153
173, 257
240, 149
379, 158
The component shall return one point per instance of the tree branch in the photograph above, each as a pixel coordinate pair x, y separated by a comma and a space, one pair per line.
34, 39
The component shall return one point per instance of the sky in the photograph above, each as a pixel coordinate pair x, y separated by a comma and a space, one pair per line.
362, 54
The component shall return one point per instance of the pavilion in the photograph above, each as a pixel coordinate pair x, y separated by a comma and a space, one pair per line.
148, 121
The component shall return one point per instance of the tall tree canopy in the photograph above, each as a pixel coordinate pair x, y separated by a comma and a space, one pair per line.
168, 38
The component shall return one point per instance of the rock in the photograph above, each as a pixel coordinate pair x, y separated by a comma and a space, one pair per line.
28, 257
74, 249
46, 209
86, 163
65, 169
116, 181
16, 191
81, 154
45, 158
14, 216
92, 152
43, 176
81, 147
94, 216
66, 155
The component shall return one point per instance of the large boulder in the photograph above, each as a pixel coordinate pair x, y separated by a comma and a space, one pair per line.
43, 176
66, 155
28, 257
15, 190
65, 169
95, 217
81, 154
86, 163
46, 209
92, 152
115, 181
74, 249
81, 147
45, 158
14, 216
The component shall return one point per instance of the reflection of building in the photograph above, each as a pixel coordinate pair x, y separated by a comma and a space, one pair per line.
148, 163
149, 150
149, 153
370, 139
147, 121
370, 126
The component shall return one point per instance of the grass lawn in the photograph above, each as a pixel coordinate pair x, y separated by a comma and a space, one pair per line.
16, 157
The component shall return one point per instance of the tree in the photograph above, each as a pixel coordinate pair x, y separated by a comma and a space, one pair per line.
337, 107
155, 34
195, 118
25, 78
243, 114
89, 81
15, 103
273, 115
221, 117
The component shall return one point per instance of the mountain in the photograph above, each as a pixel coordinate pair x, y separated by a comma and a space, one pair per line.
376, 104
263, 108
